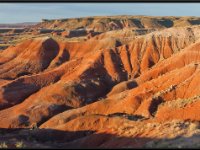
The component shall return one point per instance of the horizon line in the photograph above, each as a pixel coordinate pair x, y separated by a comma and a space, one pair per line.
96, 16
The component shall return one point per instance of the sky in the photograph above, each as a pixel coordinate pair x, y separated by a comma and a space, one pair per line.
34, 12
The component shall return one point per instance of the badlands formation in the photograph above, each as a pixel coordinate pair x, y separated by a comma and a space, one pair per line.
101, 82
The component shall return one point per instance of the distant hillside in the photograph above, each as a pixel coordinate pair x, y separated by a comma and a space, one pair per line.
107, 23
18, 25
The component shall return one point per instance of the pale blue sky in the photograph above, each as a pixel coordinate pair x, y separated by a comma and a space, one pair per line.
34, 12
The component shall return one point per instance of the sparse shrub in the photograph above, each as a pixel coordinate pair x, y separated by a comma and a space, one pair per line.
20, 145
3, 145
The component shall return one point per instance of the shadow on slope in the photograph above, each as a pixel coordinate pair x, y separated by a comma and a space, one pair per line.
90, 139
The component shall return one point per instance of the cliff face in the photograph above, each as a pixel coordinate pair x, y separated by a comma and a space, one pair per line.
130, 87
